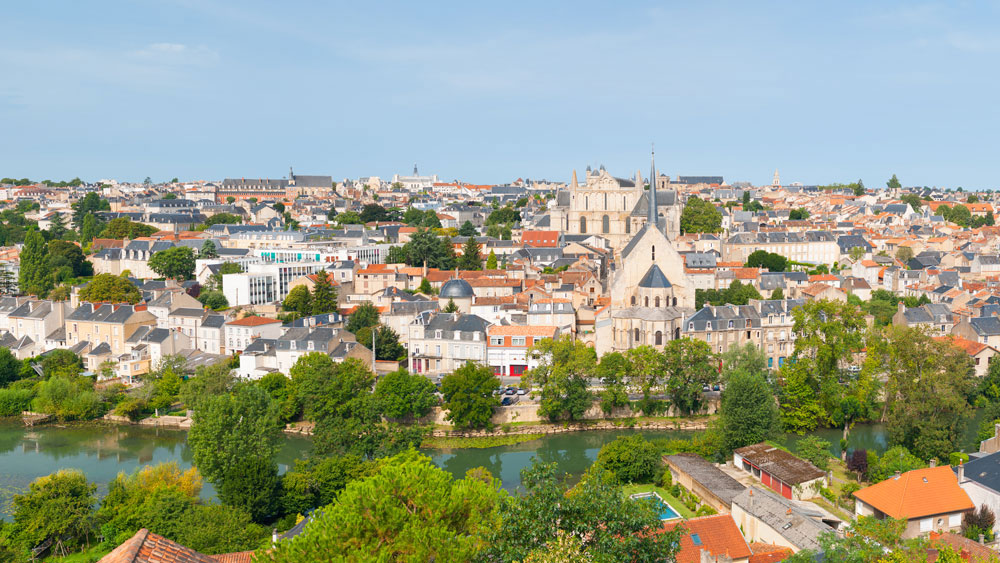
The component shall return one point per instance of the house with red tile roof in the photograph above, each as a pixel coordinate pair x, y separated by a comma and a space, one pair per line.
981, 354
240, 333
716, 536
930, 500
147, 547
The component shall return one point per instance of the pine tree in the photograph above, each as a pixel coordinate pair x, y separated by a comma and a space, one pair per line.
451, 307
58, 227
491, 262
324, 298
208, 250
34, 278
470, 259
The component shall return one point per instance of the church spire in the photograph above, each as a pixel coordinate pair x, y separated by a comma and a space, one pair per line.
652, 188
573, 184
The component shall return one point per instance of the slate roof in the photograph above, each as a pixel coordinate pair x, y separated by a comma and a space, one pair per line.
654, 279
102, 314
986, 325
800, 527
710, 476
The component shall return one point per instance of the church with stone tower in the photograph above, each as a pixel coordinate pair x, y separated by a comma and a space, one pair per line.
614, 208
651, 294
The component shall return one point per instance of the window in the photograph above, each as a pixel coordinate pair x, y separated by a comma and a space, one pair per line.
730, 324
635, 335
708, 325
708, 337
677, 333
293, 344
517, 341
954, 520
605, 224
690, 326
659, 338
633, 300
628, 226
437, 334
583, 225
675, 301
647, 302
496, 341
311, 345
770, 362
657, 301
652, 253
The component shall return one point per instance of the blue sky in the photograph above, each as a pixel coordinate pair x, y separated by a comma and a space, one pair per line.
488, 92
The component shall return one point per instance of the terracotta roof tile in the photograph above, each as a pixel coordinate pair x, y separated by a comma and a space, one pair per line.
716, 534
253, 321
917, 493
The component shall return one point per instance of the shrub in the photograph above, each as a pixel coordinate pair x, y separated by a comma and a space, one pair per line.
667, 481
14, 401
632, 459
131, 408
705, 510
815, 451
979, 522
957, 458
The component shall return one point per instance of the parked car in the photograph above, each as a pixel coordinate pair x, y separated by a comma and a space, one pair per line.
511, 392
507, 401
522, 391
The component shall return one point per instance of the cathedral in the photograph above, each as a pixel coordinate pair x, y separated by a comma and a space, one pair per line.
650, 292
613, 208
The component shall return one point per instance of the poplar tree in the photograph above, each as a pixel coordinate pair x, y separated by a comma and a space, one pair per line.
34, 276
324, 299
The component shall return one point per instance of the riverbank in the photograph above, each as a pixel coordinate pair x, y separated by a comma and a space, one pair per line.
458, 442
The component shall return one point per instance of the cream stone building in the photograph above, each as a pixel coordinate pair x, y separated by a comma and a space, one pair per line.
614, 208
650, 291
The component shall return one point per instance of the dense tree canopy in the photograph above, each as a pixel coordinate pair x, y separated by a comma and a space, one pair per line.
177, 262
468, 396
764, 259
123, 227
109, 288
700, 216
564, 366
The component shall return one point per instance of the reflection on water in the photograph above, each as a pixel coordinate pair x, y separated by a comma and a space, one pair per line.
102, 451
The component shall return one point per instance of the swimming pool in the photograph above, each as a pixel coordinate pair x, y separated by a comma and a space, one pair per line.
665, 511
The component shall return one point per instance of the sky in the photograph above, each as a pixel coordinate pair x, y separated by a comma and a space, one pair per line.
487, 92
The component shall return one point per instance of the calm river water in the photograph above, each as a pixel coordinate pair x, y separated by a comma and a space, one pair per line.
101, 452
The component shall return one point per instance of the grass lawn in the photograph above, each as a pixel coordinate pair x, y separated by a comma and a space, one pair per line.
89, 556
835, 510
677, 505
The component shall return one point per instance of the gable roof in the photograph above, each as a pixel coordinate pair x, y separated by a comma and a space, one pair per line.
147, 547
717, 534
779, 463
917, 493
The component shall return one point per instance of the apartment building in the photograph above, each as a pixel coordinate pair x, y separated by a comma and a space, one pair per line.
440, 343
240, 333
507, 347
766, 324
110, 324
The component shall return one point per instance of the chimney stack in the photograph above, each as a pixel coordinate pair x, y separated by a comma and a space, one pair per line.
897, 475
933, 462
961, 472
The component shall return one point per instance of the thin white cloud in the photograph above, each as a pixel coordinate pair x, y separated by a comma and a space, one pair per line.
177, 54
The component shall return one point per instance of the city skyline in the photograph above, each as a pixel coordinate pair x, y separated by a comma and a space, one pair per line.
486, 94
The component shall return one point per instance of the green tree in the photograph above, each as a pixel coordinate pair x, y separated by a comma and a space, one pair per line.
386, 342
234, 440
467, 230
451, 307
893, 183
564, 366
913, 200
373, 212
427, 248
87, 206
896, 458
222, 219
413, 217
611, 526
375, 516
814, 450
927, 392
89, 230
612, 370
214, 299
57, 229
425, 287
631, 459
700, 216
503, 216
859, 188
208, 381
904, 254
316, 482
365, 315
856, 253
324, 295
470, 258
800, 409
405, 396
491, 261
215, 280
690, 366
123, 227
208, 250
108, 288
973, 198
64, 254
777, 294
349, 218
34, 277
798, 214
960, 215
431, 220
55, 506
299, 300
177, 262
10, 367
747, 413
468, 396
764, 259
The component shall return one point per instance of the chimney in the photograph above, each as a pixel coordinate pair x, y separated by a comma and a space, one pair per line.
961, 472
933, 462
982, 539
274, 537
897, 475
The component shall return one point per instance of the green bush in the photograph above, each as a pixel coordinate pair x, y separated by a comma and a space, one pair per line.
14, 401
957, 458
667, 481
632, 459
705, 510
131, 408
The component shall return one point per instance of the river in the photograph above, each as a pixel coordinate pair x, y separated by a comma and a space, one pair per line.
102, 451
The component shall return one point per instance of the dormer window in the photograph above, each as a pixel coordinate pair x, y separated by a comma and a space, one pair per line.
310, 345
293, 344
708, 325
730, 324
438, 334
690, 326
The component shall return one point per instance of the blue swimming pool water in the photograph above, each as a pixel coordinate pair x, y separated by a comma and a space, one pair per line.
665, 511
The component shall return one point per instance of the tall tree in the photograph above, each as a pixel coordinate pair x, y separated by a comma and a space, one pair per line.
405, 396
208, 250
34, 277
467, 230
470, 258
324, 296
234, 440
299, 300
700, 216
364, 315
564, 366
123, 227
893, 183
177, 262
89, 230
386, 343
57, 506
690, 366
491, 261
468, 396
747, 412
87, 206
